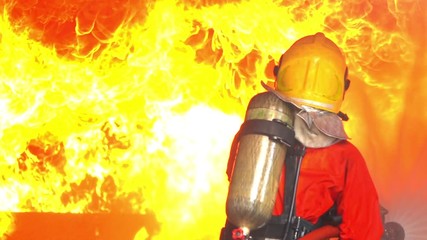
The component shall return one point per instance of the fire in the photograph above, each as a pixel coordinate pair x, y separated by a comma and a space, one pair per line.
131, 106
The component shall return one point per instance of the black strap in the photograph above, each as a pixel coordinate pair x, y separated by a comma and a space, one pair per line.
293, 166
275, 129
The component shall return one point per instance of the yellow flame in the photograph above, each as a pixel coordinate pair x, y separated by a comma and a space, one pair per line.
145, 98
6, 224
142, 234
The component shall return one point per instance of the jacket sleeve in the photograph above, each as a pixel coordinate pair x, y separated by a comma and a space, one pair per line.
358, 203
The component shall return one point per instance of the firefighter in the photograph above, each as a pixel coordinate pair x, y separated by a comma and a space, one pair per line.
333, 181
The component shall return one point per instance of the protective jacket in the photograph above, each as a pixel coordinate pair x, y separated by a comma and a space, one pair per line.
337, 175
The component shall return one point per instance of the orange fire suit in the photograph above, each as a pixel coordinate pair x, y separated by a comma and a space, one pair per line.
338, 175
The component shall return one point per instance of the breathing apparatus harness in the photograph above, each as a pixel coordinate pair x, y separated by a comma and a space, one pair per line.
287, 226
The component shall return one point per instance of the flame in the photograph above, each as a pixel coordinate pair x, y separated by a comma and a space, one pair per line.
6, 223
131, 106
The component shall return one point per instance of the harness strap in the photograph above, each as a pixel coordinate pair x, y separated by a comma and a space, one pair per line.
275, 129
293, 166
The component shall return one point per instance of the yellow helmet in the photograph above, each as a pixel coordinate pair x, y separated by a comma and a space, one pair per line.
312, 72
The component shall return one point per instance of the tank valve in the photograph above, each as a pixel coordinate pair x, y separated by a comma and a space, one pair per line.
241, 233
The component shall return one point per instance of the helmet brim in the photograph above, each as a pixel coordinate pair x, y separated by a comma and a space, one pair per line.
327, 122
279, 95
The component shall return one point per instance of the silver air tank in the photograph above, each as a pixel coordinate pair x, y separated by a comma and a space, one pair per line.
263, 140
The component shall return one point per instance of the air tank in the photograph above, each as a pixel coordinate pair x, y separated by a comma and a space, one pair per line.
263, 139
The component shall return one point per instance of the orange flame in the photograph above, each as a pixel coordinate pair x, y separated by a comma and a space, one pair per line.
130, 106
